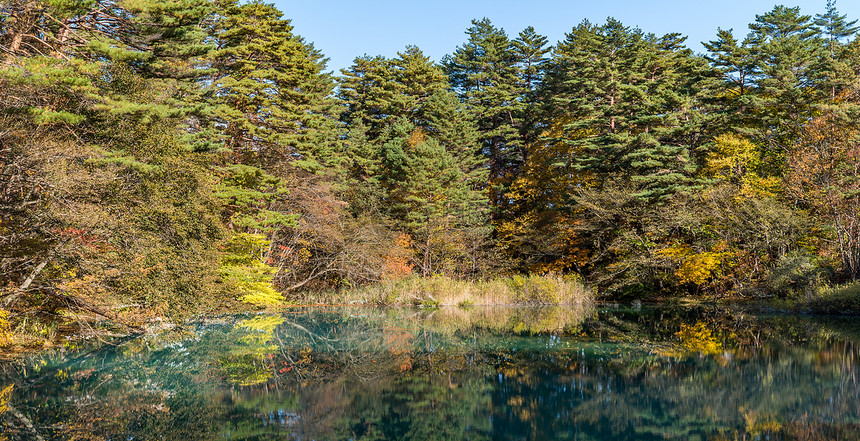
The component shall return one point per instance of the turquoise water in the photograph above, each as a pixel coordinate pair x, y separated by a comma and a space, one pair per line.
479, 374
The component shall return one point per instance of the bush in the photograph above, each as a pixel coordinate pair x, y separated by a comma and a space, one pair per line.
796, 273
844, 299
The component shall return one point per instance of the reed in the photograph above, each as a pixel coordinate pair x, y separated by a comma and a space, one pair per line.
445, 291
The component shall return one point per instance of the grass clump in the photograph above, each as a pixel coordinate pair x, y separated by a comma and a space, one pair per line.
438, 291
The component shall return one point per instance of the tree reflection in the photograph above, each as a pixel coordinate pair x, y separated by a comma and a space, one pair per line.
374, 374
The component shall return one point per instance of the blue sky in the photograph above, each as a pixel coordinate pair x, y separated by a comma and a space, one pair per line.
343, 30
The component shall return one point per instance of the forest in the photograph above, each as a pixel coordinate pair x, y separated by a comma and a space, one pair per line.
175, 158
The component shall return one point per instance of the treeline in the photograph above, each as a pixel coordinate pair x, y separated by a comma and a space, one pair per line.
179, 157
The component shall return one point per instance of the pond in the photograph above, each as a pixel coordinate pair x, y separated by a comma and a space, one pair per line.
649, 373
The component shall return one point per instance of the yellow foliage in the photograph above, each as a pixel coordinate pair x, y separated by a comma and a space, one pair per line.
264, 323
250, 363
263, 329
738, 161
5, 397
5, 328
546, 181
695, 268
698, 338
416, 137
757, 423
261, 294
243, 266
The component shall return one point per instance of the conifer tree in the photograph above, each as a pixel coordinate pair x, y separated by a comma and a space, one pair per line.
368, 89
788, 49
99, 87
414, 154
737, 63
419, 79
838, 71
834, 26
272, 91
631, 105
531, 51
483, 71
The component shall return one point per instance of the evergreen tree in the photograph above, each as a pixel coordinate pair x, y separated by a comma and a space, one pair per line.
530, 49
483, 71
419, 79
273, 94
836, 72
835, 26
94, 106
414, 155
788, 49
368, 90
737, 63
631, 104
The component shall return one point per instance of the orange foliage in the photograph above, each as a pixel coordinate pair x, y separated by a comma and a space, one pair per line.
396, 261
823, 170
399, 345
416, 137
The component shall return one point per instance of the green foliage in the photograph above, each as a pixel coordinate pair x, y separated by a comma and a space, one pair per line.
488, 73
270, 92
824, 299
246, 192
796, 272
135, 141
647, 127
414, 148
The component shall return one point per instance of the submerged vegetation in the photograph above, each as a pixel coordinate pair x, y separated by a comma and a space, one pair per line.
167, 159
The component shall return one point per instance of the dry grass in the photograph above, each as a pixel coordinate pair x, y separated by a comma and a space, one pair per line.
445, 291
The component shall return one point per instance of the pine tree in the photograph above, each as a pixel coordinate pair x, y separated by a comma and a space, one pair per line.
530, 49
368, 90
483, 71
419, 79
431, 190
737, 63
414, 155
272, 91
834, 26
631, 107
100, 87
836, 72
788, 48
662, 158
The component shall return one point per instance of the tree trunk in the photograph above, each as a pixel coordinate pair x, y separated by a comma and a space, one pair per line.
12, 297
425, 269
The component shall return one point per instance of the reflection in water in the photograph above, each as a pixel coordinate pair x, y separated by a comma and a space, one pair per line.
480, 374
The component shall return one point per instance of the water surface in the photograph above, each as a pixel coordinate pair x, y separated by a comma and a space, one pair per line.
450, 374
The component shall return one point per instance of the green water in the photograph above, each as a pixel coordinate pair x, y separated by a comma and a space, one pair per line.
480, 374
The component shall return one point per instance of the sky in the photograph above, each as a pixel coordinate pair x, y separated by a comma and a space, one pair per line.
343, 30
